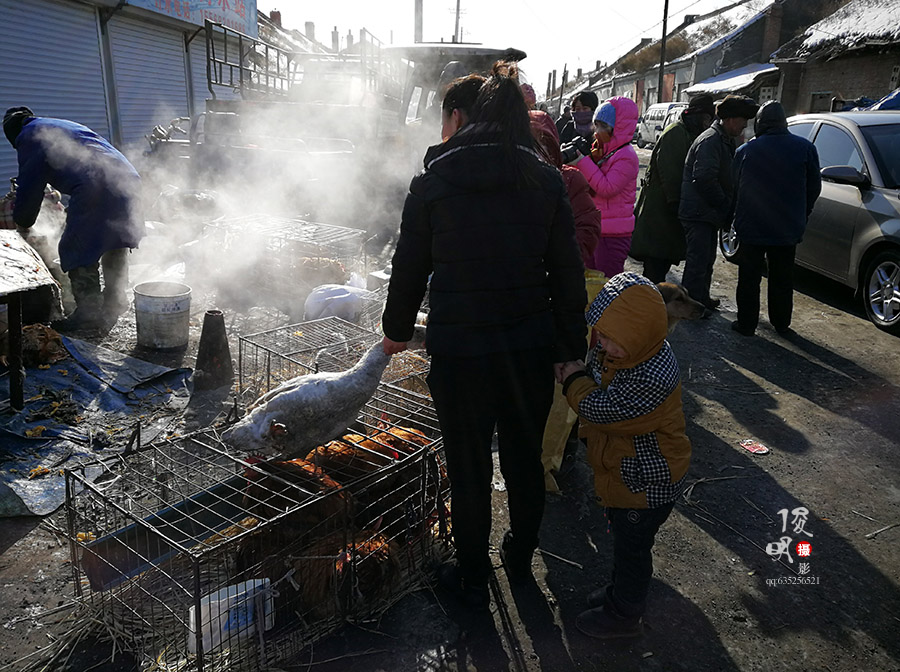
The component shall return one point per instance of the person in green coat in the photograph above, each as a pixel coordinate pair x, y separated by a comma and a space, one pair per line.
658, 239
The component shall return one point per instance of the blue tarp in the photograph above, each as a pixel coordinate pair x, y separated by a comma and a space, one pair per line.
889, 102
108, 392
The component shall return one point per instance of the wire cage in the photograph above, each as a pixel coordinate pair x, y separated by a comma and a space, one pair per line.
268, 358
373, 308
205, 560
283, 259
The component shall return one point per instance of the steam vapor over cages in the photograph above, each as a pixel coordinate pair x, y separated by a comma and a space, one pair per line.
203, 560
281, 259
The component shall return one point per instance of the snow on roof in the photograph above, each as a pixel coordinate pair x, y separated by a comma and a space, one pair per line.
855, 25
733, 80
723, 25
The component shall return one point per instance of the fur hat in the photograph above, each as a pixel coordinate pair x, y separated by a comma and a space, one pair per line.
701, 103
13, 120
736, 106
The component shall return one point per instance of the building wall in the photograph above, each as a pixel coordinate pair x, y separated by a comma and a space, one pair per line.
848, 77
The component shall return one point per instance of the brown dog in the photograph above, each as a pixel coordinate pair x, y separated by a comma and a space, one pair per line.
679, 304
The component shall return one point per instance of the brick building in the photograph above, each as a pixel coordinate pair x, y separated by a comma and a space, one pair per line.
853, 53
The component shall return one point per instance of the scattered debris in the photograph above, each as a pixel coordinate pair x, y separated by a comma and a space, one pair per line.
753, 446
560, 558
863, 515
872, 535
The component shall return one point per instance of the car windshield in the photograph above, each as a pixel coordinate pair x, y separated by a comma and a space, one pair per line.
884, 141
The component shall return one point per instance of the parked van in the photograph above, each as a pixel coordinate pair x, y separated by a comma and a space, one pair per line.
651, 125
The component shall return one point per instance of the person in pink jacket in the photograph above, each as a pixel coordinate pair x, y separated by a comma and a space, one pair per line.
612, 171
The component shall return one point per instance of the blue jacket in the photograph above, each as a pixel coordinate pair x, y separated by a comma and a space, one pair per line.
777, 183
104, 189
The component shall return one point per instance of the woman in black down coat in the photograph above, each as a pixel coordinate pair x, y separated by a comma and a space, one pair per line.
492, 222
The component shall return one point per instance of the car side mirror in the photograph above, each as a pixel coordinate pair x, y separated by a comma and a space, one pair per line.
846, 175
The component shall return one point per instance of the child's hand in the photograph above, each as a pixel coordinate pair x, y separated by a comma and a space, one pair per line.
566, 369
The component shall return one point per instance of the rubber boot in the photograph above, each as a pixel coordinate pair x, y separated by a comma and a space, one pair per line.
115, 284
88, 313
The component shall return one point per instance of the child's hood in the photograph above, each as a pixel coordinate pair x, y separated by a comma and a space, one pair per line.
630, 311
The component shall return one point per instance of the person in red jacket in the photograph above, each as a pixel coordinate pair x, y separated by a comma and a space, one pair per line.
587, 216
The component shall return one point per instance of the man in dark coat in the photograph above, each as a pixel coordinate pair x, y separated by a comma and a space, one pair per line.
658, 238
706, 193
777, 183
103, 218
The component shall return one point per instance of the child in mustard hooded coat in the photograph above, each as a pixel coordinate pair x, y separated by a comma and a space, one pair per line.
629, 399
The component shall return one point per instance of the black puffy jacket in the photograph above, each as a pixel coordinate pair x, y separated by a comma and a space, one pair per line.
707, 189
507, 273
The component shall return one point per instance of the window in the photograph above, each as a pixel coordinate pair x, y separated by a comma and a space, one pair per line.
884, 141
803, 130
837, 148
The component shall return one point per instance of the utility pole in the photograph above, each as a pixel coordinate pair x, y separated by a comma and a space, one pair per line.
565, 77
456, 30
662, 54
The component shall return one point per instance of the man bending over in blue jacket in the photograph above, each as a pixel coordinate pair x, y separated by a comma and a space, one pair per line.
104, 217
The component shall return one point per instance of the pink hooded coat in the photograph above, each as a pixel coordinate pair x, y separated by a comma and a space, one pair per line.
615, 182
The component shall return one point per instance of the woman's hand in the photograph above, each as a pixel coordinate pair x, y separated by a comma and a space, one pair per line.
392, 347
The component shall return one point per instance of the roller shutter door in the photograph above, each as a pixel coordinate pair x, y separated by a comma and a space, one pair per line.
50, 53
149, 65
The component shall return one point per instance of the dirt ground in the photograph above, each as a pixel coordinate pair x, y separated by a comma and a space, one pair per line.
826, 404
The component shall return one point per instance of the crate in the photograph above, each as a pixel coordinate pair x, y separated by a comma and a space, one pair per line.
201, 559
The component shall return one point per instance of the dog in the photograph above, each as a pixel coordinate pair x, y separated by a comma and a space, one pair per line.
679, 304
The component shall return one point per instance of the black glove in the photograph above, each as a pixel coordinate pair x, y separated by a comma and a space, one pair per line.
571, 150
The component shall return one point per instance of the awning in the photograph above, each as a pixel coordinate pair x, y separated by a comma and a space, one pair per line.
733, 80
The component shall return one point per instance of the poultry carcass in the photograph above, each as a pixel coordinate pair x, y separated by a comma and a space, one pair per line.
313, 503
310, 410
384, 499
333, 576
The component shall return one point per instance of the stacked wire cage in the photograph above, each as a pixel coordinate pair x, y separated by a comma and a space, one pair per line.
198, 558
282, 258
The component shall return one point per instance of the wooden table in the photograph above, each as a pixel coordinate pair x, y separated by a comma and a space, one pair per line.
21, 270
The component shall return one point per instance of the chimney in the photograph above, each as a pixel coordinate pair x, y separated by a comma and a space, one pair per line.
772, 32
689, 19
578, 74
275, 17
335, 40
599, 65
418, 22
349, 39
554, 80
549, 84
311, 30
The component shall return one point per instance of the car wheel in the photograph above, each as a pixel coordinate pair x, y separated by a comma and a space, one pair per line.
641, 142
729, 244
881, 291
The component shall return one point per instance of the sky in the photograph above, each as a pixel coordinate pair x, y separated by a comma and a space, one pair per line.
551, 36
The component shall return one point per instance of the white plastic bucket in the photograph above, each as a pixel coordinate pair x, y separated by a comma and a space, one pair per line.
162, 311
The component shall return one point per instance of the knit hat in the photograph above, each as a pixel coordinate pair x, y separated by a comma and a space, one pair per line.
700, 104
13, 121
736, 106
606, 114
